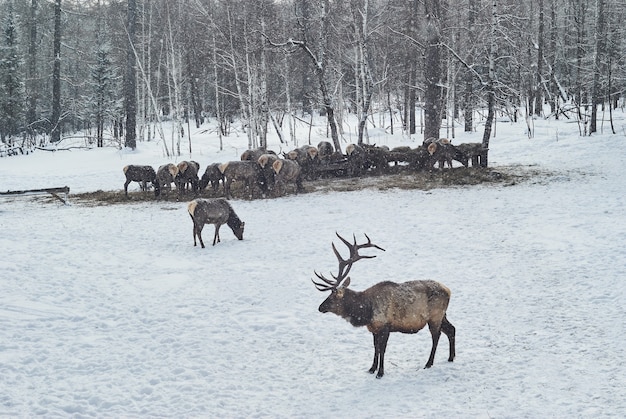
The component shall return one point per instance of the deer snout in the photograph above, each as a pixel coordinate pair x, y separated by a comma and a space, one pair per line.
324, 307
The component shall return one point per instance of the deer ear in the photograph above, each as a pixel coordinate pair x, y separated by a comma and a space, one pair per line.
346, 282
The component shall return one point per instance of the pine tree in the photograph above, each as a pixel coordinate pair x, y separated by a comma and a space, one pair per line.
11, 87
102, 103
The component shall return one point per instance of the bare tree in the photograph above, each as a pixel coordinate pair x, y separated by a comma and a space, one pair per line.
432, 70
55, 120
491, 76
130, 83
318, 54
598, 67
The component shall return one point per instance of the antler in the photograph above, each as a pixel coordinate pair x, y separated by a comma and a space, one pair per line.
345, 264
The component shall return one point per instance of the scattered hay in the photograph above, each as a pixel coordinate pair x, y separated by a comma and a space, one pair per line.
401, 179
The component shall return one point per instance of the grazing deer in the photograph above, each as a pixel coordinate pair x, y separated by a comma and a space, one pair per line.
387, 306
166, 174
266, 161
288, 171
249, 172
187, 174
211, 175
307, 157
474, 152
143, 175
214, 211
443, 151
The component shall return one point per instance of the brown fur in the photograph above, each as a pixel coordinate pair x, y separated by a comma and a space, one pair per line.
474, 152
187, 175
217, 212
248, 172
213, 175
444, 152
266, 162
325, 149
166, 175
388, 307
307, 157
288, 171
141, 174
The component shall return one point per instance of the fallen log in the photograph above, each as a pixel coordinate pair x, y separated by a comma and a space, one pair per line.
65, 190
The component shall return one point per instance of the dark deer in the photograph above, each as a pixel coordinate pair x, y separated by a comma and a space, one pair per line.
143, 175
211, 175
387, 306
166, 175
248, 172
214, 211
187, 174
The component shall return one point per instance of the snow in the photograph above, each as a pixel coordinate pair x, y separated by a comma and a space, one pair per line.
109, 311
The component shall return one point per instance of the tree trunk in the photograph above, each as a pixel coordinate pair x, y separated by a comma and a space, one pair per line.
600, 52
432, 71
33, 88
540, 47
469, 102
130, 83
491, 96
55, 134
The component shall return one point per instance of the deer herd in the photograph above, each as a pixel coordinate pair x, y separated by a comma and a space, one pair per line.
384, 307
264, 173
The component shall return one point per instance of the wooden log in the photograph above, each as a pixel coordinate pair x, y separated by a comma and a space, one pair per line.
52, 191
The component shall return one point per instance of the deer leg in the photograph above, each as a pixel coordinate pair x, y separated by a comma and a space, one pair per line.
435, 332
450, 331
126, 187
227, 188
375, 363
199, 231
194, 230
216, 237
383, 337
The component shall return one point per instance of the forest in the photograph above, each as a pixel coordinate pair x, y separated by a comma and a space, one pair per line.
113, 71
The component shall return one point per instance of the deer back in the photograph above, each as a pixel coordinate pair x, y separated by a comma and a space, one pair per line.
238, 170
205, 211
406, 307
137, 173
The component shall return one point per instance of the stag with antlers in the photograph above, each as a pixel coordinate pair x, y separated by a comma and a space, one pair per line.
387, 306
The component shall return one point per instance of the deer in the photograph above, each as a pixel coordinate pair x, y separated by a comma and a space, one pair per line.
143, 175
249, 172
443, 151
211, 175
387, 306
287, 171
166, 174
187, 174
474, 152
217, 212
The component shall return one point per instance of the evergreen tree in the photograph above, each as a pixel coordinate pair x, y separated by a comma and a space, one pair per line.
11, 89
102, 102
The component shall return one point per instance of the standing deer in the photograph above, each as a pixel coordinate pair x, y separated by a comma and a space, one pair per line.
214, 211
143, 175
387, 306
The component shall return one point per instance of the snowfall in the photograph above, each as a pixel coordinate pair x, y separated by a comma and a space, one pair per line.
110, 311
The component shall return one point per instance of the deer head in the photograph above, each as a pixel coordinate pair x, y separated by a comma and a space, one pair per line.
340, 299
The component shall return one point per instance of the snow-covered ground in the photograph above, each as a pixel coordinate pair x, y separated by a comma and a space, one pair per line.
109, 311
